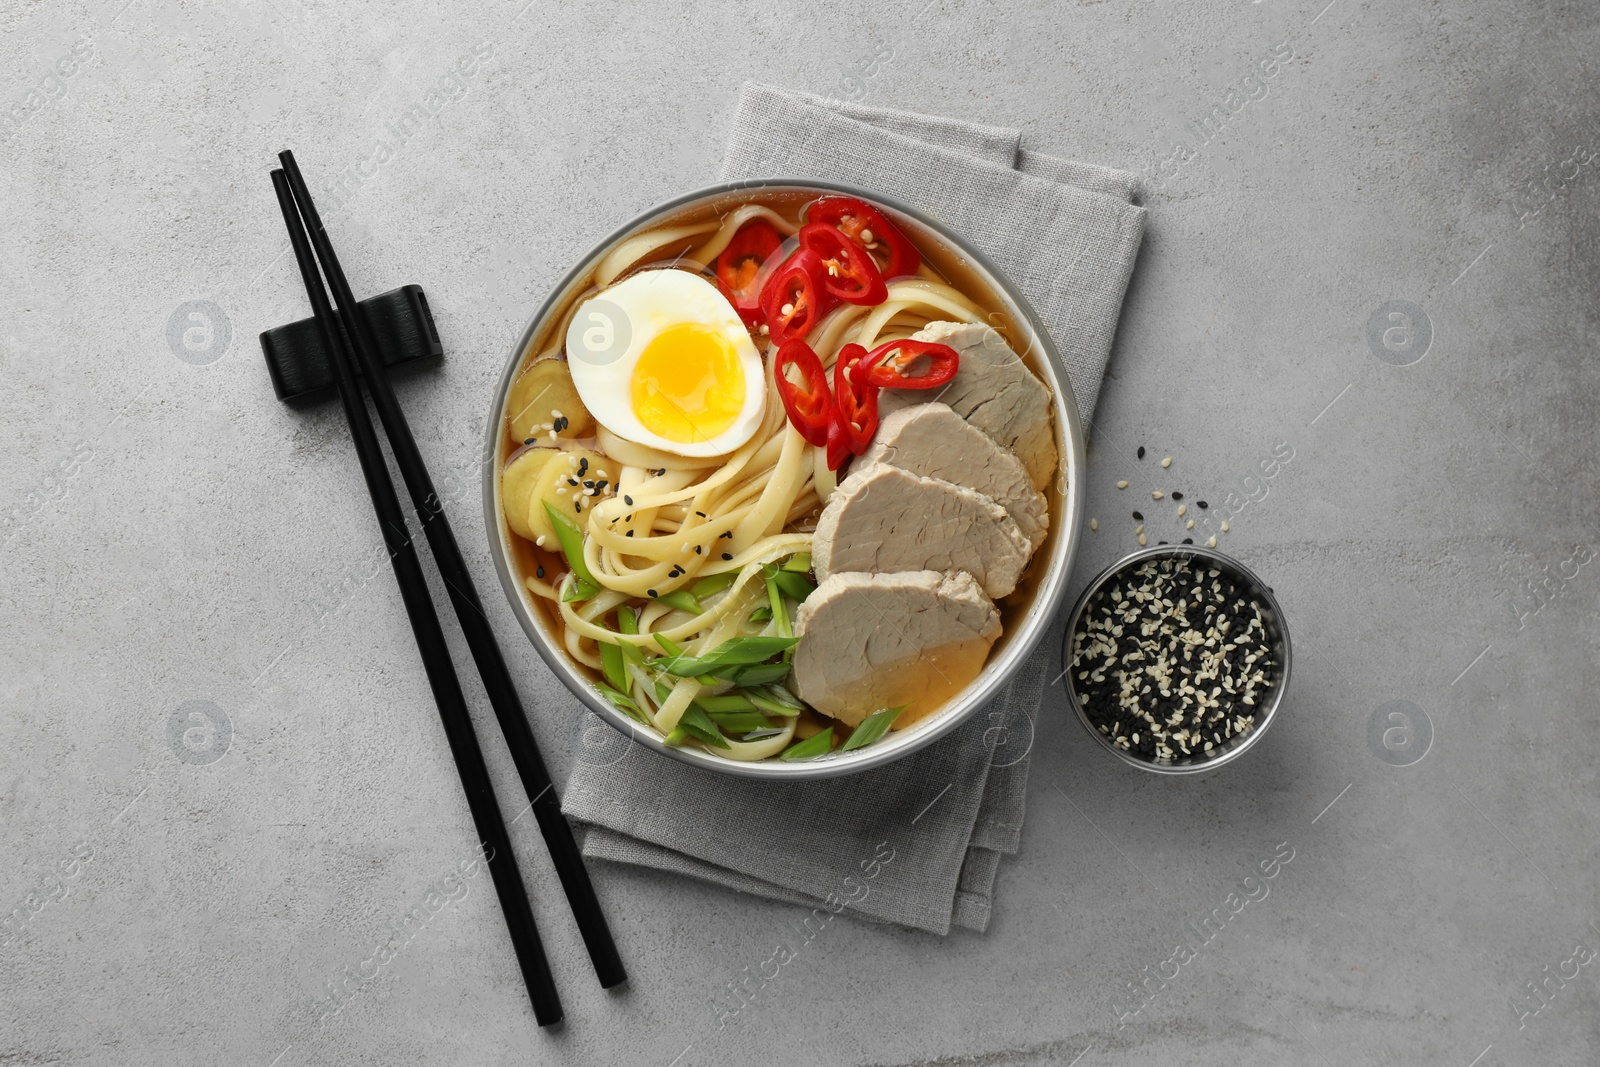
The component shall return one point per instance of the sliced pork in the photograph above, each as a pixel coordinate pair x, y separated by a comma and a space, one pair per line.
886, 519
873, 641
933, 441
994, 391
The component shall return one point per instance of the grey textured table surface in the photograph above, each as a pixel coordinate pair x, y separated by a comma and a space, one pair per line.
1378, 261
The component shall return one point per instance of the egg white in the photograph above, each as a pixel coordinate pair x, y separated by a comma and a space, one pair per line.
611, 329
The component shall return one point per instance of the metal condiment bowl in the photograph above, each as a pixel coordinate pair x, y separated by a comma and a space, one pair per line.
1046, 585
1277, 634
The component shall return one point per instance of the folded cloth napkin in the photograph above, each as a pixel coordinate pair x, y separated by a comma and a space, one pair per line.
918, 842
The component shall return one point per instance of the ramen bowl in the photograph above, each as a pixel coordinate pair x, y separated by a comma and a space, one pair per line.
1027, 614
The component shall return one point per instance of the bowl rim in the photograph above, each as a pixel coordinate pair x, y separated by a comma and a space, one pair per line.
1000, 669
1259, 589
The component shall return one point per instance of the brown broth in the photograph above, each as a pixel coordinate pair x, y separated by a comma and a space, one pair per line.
959, 666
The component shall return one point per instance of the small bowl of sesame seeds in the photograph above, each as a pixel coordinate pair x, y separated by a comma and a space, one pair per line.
1177, 658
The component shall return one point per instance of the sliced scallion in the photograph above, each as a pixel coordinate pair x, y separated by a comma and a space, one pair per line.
872, 727
819, 744
613, 666
570, 537
700, 727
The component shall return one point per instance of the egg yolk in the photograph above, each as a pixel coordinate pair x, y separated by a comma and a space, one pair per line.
688, 384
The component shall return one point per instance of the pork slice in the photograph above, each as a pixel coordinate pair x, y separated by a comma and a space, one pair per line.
886, 519
993, 390
933, 441
871, 641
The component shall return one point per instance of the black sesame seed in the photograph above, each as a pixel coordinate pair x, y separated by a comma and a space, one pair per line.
727, 555
652, 593
628, 534
529, 441
1177, 495
628, 500
1141, 451
1138, 516
699, 549
577, 505
601, 484
538, 572
1188, 540
1160, 542
701, 514
1201, 504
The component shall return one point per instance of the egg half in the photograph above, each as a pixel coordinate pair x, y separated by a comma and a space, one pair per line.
662, 359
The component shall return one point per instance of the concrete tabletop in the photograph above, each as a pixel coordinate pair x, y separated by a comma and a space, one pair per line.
1362, 323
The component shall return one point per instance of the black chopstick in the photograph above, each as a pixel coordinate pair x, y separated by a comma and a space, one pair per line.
469, 609
492, 833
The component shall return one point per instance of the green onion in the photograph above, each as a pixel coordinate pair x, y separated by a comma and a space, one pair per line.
812, 747
780, 614
782, 696
761, 614
734, 653
681, 599
623, 703
800, 562
713, 583
628, 623
726, 702
700, 726
739, 722
756, 673
760, 699
671, 648
612, 665
676, 737
794, 586
584, 585
757, 735
872, 727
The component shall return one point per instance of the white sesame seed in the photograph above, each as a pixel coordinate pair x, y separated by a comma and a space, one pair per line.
1094, 524
1211, 542
1142, 541
1167, 462
1123, 484
1183, 509
1189, 525
1224, 525
1156, 494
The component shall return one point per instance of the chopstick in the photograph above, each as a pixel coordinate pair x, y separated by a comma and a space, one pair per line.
468, 608
430, 640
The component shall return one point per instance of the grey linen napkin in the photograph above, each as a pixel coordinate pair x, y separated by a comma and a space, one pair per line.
916, 843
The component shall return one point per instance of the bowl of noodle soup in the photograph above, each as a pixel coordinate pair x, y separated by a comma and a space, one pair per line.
755, 507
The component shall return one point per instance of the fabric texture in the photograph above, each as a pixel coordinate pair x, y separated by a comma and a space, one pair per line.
918, 842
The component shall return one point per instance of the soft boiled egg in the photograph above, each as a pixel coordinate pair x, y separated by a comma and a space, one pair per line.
662, 359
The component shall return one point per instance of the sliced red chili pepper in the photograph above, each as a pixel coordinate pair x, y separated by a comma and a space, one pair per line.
807, 401
838, 446
889, 366
793, 299
855, 403
848, 271
739, 265
867, 227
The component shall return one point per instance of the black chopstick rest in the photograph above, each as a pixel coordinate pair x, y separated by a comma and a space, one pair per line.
298, 360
